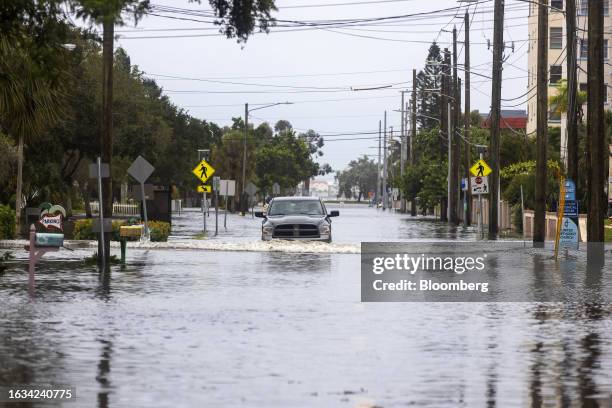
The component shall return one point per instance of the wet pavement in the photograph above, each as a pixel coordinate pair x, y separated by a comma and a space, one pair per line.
191, 328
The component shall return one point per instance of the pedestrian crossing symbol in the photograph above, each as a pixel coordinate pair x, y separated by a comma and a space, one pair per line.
203, 171
204, 189
480, 169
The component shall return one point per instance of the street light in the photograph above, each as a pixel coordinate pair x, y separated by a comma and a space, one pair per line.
246, 127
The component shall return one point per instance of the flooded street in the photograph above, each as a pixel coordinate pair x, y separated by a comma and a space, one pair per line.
267, 328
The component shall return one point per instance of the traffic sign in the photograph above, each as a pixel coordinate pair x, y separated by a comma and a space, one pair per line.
141, 169
204, 189
275, 188
480, 185
227, 188
203, 171
216, 183
480, 168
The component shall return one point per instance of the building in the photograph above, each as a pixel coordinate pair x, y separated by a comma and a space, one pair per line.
509, 119
557, 62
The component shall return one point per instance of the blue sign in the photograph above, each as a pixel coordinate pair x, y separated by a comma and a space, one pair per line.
570, 190
463, 184
570, 209
569, 234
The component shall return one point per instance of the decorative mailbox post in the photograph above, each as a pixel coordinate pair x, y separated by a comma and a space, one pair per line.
129, 232
52, 221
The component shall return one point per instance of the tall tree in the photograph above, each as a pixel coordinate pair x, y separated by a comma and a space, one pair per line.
429, 81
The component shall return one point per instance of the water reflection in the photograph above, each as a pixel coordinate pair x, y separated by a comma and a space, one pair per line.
103, 373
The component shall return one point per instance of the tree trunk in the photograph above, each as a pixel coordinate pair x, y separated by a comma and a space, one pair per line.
19, 193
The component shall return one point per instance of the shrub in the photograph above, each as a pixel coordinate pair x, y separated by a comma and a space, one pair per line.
159, 231
83, 229
7, 222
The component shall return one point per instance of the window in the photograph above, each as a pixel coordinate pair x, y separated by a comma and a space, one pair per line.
556, 38
583, 7
556, 5
583, 87
553, 115
556, 72
584, 49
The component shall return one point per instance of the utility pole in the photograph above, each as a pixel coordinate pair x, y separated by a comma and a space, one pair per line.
454, 143
413, 124
378, 195
444, 124
598, 152
572, 92
457, 138
539, 223
106, 139
244, 157
384, 177
498, 48
467, 217
403, 151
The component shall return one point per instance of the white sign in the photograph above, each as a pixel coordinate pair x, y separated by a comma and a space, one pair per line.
227, 188
480, 185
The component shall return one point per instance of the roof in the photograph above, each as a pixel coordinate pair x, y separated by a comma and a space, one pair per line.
510, 119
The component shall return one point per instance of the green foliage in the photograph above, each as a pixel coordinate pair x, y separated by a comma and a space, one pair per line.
159, 230
361, 173
5, 257
93, 260
7, 222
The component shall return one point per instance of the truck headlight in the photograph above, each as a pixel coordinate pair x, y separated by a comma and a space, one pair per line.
268, 229
324, 229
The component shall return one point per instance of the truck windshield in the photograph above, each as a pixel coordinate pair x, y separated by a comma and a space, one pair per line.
296, 207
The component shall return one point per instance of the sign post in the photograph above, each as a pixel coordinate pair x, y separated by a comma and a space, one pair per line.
203, 171
216, 182
141, 170
480, 185
568, 232
275, 189
98, 171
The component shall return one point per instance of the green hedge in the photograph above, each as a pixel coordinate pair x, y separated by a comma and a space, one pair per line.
159, 230
7, 222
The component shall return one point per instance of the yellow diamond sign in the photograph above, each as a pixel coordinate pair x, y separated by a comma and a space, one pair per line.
204, 189
203, 171
480, 169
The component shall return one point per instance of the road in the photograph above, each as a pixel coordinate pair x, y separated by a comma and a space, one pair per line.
187, 328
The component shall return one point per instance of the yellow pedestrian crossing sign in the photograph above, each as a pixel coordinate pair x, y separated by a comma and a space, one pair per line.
204, 189
480, 169
203, 171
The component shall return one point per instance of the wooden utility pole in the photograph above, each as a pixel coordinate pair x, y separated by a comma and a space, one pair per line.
596, 137
384, 176
413, 124
454, 156
539, 223
467, 217
378, 195
457, 139
498, 49
403, 149
106, 137
444, 118
572, 92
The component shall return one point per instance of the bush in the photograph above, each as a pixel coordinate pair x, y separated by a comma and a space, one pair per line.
7, 222
159, 230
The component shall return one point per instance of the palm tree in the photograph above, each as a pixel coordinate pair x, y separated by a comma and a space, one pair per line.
29, 103
559, 102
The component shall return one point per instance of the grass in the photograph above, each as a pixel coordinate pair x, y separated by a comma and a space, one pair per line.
608, 231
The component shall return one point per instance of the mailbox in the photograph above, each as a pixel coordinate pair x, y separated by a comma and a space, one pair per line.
45, 239
130, 231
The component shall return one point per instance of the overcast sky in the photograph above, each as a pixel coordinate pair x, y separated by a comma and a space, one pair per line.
292, 66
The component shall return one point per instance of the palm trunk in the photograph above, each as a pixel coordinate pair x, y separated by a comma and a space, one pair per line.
18, 193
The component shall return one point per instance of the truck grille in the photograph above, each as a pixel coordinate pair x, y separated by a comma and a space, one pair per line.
296, 231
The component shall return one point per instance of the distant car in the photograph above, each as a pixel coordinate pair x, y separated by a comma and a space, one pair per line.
297, 218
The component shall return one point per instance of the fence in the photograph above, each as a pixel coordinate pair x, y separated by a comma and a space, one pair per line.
551, 225
118, 208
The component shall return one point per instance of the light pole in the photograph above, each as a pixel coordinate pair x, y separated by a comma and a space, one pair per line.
246, 128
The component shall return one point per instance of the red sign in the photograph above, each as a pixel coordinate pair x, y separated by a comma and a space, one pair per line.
478, 180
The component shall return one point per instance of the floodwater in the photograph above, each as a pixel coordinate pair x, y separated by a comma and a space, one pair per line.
194, 328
